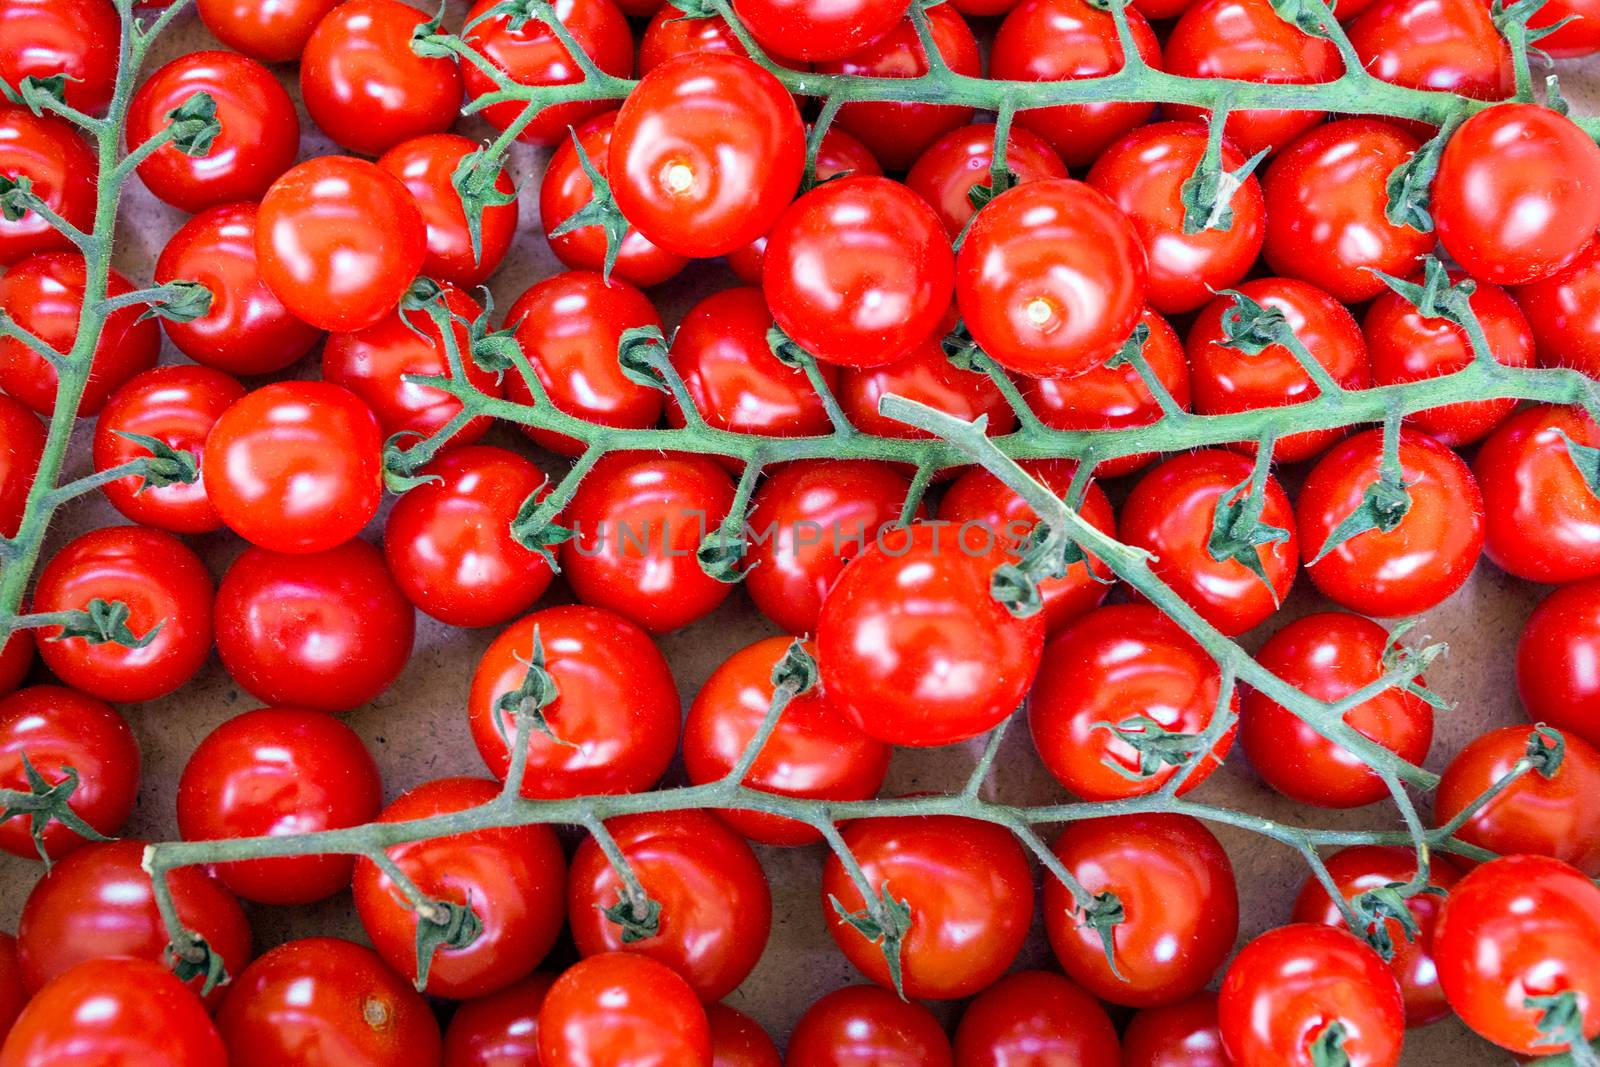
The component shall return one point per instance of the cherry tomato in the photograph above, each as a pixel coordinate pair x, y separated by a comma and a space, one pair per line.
16, 658
1184, 1034
1118, 663
66, 734
339, 240
426, 166
621, 1009
1450, 45
1062, 40
1560, 644
616, 709
1051, 278
1035, 1017
279, 771
1542, 521
672, 33
865, 1026
1580, 37
950, 168
499, 1030
43, 294
52, 155
1171, 513
78, 38
814, 30
926, 376
13, 997
1563, 311
272, 33
24, 437
738, 1040
328, 631
814, 750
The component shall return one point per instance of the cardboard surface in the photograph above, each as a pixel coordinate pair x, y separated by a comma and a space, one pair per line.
418, 729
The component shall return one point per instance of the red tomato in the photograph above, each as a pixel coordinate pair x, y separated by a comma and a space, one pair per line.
279, 771
16, 657
814, 751
1035, 1017
1171, 512
672, 33
865, 1026
1250, 41
426, 166
272, 33
325, 1002
78, 38
1062, 40
125, 1012
639, 518
52, 155
927, 377
915, 649
1517, 196
43, 294
1144, 174
621, 1009
1560, 644
1542, 522
1177, 889
616, 707
1051, 278
1184, 1034
950, 168
13, 997
448, 541
1580, 37
339, 240
24, 436
817, 30
1449, 45
738, 1040
98, 903
59, 730
366, 87
1563, 311
328, 631
499, 1030
512, 878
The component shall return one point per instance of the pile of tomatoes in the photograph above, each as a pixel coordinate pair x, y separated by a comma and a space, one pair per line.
377, 259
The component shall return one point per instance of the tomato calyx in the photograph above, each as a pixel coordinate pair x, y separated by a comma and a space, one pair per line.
443, 924
1560, 1024
1410, 185
193, 125
98, 622
476, 181
526, 703
44, 803
534, 528
1547, 749
884, 921
1207, 195
1157, 746
1407, 663
1384, 504
1375, 908
639, 917
164, 466
601, 210
190, 956
1327, 1048
1435, 297
1237, 530
176, 301
39, 94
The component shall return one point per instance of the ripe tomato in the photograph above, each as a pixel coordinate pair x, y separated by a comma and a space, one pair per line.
1559, 644
98, 903
1022, 301
511, 877
16, 657
1542, 522
716, 907
127, 1012
738, 1040
707, 152
78, 38
59, 730
859, 271
616, 708
1184, 1034
814, 751
43, 294
328, 631
1563, 311
272, 33
1177, 889
1144, 173
19, 461
52, 155
672, 33
621, 1009
366, 87
339, 240
1450, 45
1226, 379
426, 166
913, 646
325, 1002
1035, 1017
639, 518
504, 1026
13, 997
950, 168
1580, 37
1517, 195
1171, 513
865, 1026
533, 55
927, 377
279, 771
811, 30
1062, 40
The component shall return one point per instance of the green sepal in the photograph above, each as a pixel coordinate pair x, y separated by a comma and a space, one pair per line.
962, 351
980, 195
1311, 16
527, 702
181, 301
721, 554
1410, 185
1375, 908
425, 37
457, 927
1435, 297
194, 125
888, 932
1158, 747
640, 352
601, 210
166, 465
1560, 1022
1327, 1048
1131, 349
1237, 533
476, 181
1016, 590
1554, 98
785, 349
796, 669
196, 959
1384, 505
695, 9
103, 622
1207, 194
519, 13
635, 927
1249, 326
1586, 459
1546, 750
536, 533
399, 469
1103, 916
17, 197
36, 93
49, 803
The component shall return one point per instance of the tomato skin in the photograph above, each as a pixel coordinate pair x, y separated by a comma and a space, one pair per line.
1541, 520
1184, 1034
959, 161
1061, 40
1537, 171
24, 436
141, 1017
670, 33
617, 703
1034, 1017
326, 1002
338, 241
272, 33
52, 155
1451, 45
1022, 307
1581, 37
44, 295
498, 1030
866, 1026
808, 30
926, 376
57, 728
1554, 680
16, 658
78, 38
814, 751
279, 771
425, 166
738, 1040
13, 997
328, 631
1563, 311
621, 1009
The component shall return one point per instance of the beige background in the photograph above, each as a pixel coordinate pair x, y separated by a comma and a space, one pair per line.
418, 729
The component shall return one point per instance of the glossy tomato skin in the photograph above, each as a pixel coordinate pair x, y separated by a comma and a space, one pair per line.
16, 658
944, 660
512, 877
1177, 888
1563, 311
1143, 173
1541, 520
1022, 307
814, 750
616, 705
858, 271
51, 154
57, 728
1556, 680
338, 241
272, 33
328, 631
1034, 1017
867, 1026
808, 30
623, 1008
971, 896
1116, 662
279, 771
738, 1040
43, 294
670, 34
1517, 195
1184, 1034
926, 376
951, 167
121, 1012
78, 38
1451, 45
1061, 40
1580, 37
326, 1002
24, 436
13, 997
500, 1029
1171, 512
426, 165
1285, 987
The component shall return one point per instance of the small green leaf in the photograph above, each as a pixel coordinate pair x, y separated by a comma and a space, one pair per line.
399, 468
1397, 655
635, 927
1384, 505
102, 622
539, 533
1250, 327
181, 301
166, 466
1375, 908
980, 195
192, 957
46, 803
1435, 297
37, 94
1410, 185
795, 670
17, 197
450, 925
477, 180
1157, 746
426, 40
640, 352
1237, 532
194, 125
601, 210
1103, 916
1207, 195
887, 929
1327, 1048
1560, 1022
1586, 459
527, 702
